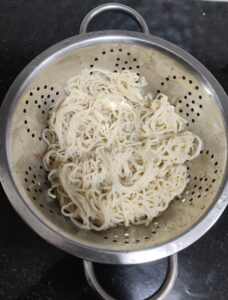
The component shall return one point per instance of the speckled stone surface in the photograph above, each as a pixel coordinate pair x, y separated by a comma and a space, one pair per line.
30, 268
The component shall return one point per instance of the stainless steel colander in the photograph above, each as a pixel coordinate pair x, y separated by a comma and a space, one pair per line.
197, 96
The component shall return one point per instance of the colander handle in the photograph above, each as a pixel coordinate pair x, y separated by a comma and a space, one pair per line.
160, 294
114, 7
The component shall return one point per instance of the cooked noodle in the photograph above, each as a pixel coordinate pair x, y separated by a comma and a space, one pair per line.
115, 156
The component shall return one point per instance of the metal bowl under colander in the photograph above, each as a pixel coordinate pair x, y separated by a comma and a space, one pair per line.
197, 96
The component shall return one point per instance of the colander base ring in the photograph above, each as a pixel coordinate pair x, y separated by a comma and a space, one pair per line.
160, 294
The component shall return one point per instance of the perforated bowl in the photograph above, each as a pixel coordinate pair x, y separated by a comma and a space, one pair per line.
197, 97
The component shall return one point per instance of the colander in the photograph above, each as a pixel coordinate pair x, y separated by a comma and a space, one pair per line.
197, 97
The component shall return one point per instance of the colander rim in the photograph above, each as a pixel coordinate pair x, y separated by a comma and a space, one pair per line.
49, 233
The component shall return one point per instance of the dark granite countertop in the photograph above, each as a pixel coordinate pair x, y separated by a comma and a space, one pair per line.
30, 268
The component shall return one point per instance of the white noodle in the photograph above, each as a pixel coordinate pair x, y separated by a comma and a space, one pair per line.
115, 156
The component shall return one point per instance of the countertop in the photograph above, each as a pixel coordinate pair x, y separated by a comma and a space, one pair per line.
30, 268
